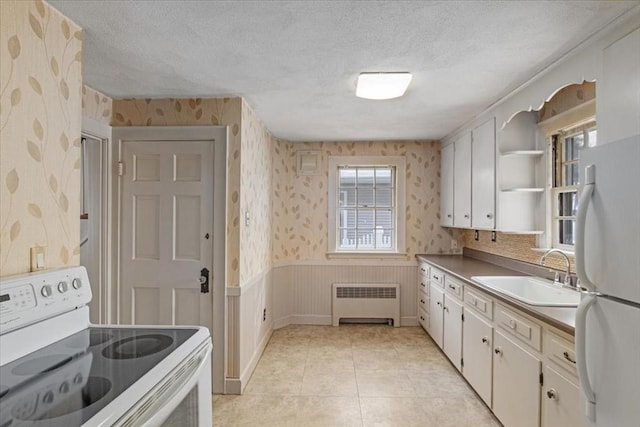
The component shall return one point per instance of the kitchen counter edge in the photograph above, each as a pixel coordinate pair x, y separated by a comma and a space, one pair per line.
462, 268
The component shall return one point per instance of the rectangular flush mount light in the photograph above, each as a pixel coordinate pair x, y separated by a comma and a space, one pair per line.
382, 85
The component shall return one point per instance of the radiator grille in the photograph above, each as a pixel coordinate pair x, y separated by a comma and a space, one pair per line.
365, 292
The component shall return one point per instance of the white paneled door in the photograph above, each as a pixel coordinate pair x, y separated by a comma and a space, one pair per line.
166, 232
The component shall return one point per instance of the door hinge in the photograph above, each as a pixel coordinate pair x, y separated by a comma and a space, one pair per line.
463, 317
462, 362
121, 168
541, 379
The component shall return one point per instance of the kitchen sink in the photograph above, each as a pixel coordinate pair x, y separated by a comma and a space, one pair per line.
531, 290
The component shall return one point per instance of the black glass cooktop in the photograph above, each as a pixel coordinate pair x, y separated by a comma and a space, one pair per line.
69, 381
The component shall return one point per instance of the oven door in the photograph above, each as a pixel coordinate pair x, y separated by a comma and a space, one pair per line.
182, 399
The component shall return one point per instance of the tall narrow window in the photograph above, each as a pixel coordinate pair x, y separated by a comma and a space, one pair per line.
365, 196
566, 150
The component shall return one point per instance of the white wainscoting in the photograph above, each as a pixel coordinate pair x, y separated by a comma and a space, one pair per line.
248, 333
302, 292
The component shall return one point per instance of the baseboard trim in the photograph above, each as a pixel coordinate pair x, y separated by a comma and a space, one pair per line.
251, 366
409, 321
232, 385
282, 322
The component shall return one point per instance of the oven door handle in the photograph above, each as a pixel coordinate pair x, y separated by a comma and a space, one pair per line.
167, 402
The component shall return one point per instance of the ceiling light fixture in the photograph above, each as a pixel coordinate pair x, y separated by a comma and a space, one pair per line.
382, 85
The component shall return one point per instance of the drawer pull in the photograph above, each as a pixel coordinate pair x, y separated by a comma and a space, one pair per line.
474, 301
423, 270
552, 394
422, 301
497, 350
568, 357
485, 339
439, 303
452, 287
423, 285
422, 318
435, 276
512, 324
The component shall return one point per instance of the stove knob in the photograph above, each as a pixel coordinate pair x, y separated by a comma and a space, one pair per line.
63, 287
46, 291
48, 397
77, 283
64, 387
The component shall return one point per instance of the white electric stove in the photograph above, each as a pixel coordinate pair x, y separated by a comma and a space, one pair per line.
56, 369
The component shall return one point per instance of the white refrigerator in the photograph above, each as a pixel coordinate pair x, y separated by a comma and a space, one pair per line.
608, 265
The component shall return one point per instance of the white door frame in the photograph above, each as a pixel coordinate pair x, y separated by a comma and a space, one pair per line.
102, 132
176, 133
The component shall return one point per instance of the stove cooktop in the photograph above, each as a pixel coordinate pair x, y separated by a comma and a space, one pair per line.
69, 381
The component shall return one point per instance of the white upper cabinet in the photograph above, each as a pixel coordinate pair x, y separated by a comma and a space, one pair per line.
446, 186
462, 182
483, 176
618, 100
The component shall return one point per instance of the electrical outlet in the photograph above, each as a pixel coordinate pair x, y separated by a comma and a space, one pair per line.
493, 236
454, 244
37, 258
264, 315
476, 235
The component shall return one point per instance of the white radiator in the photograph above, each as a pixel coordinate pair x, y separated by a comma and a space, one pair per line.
366, 301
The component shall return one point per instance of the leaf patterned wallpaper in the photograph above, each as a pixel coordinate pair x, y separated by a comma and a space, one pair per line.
300, 213
40, 118
256, 196
96, 105
191, 112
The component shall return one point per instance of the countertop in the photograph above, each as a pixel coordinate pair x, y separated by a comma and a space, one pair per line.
463, 268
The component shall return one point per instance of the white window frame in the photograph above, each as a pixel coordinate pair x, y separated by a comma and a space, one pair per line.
554, 218
399, 163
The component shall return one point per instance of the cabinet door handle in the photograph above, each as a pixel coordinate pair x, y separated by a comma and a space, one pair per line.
445, 308
489, 216
568, 357
439, 303
497, 350
552, 394
512, 324
448, 215
423, 270
466, 216
485, 340
422, 301
423, 285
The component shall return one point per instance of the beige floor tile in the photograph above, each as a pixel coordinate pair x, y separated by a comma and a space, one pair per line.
468, 412
439, 382
384, 383
393, 412
272, 411
316, 411
329, 382
376, 358
280, 383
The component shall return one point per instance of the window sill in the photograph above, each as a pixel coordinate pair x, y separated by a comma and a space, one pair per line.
344, 254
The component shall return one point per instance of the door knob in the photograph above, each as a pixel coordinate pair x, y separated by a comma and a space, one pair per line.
498, 350
204, 281
485, 339
552, 394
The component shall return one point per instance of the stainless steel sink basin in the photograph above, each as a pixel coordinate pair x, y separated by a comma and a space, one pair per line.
531, 290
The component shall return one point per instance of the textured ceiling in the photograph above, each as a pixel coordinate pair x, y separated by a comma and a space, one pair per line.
296, 62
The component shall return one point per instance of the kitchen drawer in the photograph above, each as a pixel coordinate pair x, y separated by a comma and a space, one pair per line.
424, 269
561, 352
437, 277
423, 319
423, 285
479, 302
519, 326
453, 287
423, 301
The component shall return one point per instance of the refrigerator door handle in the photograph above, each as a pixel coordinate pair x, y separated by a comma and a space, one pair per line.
583, 205
581, 353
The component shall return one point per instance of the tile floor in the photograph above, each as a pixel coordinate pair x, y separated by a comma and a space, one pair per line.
353, 375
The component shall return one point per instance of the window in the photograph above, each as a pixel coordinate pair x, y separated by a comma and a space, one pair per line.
366, 199
566, 147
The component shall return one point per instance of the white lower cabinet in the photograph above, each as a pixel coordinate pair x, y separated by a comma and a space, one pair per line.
561, 401
477, 342
516, 384
436, 314
452, 340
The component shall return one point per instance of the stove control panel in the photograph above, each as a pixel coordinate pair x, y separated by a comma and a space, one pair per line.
29, 298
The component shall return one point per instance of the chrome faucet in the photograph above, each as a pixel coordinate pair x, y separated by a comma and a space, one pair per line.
567, 277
